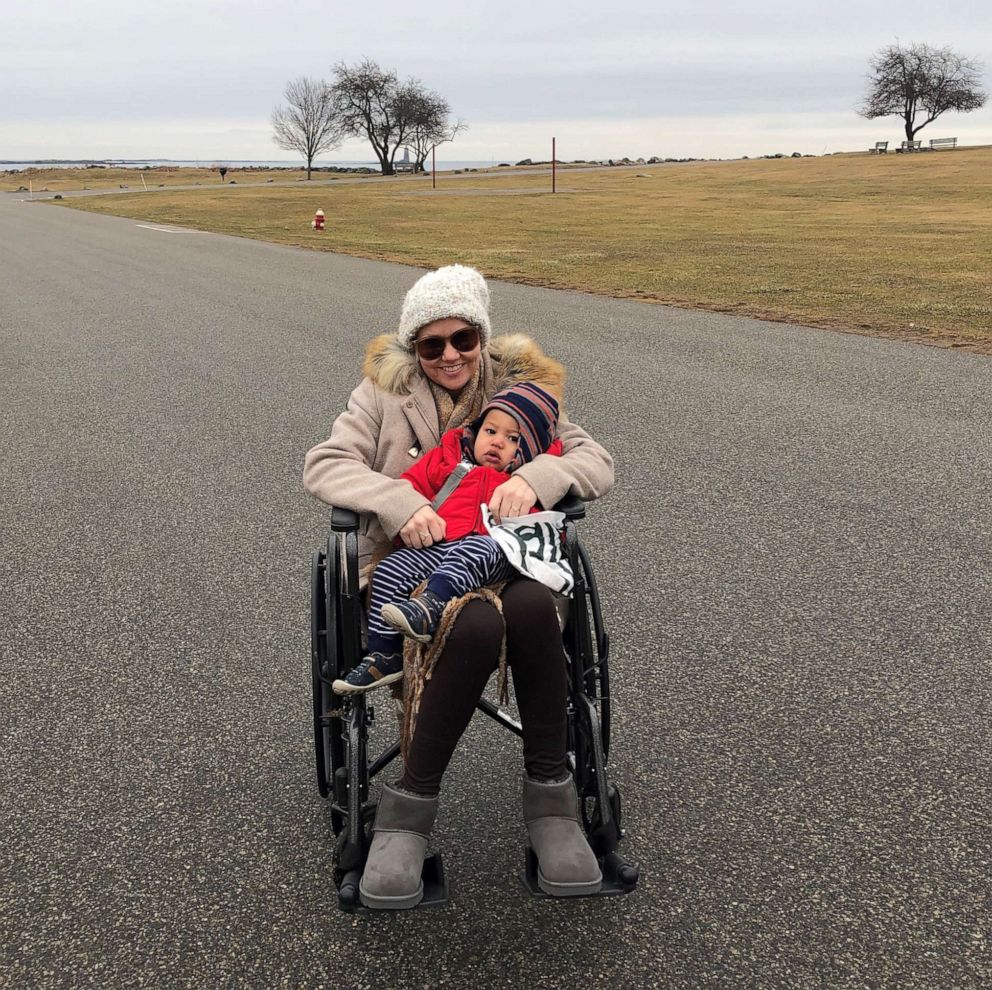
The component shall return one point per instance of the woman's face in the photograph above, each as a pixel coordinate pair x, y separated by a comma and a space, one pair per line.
453, 369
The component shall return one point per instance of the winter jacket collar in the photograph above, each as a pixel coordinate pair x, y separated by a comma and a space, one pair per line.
508, 359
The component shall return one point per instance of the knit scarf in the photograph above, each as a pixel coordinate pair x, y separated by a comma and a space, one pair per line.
453, 412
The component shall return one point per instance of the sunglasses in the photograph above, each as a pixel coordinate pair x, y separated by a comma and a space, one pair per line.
463, 341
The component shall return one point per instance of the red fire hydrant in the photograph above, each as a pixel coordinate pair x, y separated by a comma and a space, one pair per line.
318, 220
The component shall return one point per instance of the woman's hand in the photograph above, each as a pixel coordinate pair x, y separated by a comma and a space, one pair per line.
423, 529
513, 498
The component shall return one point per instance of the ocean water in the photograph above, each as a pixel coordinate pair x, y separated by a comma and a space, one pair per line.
213, 163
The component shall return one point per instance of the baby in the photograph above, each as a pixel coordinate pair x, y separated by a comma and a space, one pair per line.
459, 475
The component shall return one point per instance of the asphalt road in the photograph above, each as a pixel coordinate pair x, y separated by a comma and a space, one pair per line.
795, 564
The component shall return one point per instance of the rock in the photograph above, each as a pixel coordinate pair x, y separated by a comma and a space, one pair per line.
22, 188
57, 196
525, 161
796, 154
233, 182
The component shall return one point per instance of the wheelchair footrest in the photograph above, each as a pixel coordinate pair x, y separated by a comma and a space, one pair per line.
435, 882
619, 876
435, 888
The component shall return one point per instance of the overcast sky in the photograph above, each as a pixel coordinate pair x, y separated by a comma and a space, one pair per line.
197, 79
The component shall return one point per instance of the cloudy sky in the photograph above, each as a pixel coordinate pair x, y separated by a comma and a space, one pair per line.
197, 79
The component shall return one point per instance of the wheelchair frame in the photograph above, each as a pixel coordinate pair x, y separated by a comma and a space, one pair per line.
341, 723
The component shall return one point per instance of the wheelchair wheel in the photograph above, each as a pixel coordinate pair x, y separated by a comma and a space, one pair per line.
586, 641
325, 653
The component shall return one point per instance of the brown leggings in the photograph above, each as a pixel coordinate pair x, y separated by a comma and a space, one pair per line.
536, 660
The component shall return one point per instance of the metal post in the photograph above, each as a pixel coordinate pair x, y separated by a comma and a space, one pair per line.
554, 172
434, 167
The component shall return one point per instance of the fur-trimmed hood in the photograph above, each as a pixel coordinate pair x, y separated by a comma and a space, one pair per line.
513, 358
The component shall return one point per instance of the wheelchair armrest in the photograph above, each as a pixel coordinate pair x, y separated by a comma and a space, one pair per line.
343, 520
572, 506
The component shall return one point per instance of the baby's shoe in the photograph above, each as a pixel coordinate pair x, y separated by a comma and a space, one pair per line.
416, 618
375, 671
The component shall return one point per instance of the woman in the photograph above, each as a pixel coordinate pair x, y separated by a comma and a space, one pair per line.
437, 372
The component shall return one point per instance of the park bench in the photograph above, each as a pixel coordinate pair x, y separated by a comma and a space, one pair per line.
881, 148
404, 167
911, 146
937, 143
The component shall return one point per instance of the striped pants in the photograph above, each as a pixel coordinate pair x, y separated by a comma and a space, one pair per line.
453, 569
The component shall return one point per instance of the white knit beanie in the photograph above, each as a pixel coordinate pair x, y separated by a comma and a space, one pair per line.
452, 291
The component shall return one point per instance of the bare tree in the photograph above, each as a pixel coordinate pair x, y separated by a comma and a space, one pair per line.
921, 81
372, 103
432, 125
367, 104
307, 124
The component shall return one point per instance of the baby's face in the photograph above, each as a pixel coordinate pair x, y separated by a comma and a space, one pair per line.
497, 440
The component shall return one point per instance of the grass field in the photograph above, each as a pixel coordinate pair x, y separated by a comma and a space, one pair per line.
891, 245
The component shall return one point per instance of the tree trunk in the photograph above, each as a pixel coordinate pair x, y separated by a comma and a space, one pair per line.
909, 129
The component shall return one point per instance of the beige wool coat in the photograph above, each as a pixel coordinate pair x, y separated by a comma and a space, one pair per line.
391, 419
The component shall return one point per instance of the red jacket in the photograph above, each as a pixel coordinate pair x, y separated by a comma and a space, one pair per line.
461, 510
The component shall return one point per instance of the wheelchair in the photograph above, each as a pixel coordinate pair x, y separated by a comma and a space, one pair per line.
346, 765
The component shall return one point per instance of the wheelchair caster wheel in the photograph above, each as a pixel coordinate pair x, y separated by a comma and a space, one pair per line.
621, 876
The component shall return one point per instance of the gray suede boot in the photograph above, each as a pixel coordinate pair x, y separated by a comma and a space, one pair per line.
403, 822
566, 866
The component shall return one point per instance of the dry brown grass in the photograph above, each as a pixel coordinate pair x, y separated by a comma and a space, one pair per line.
894, 245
